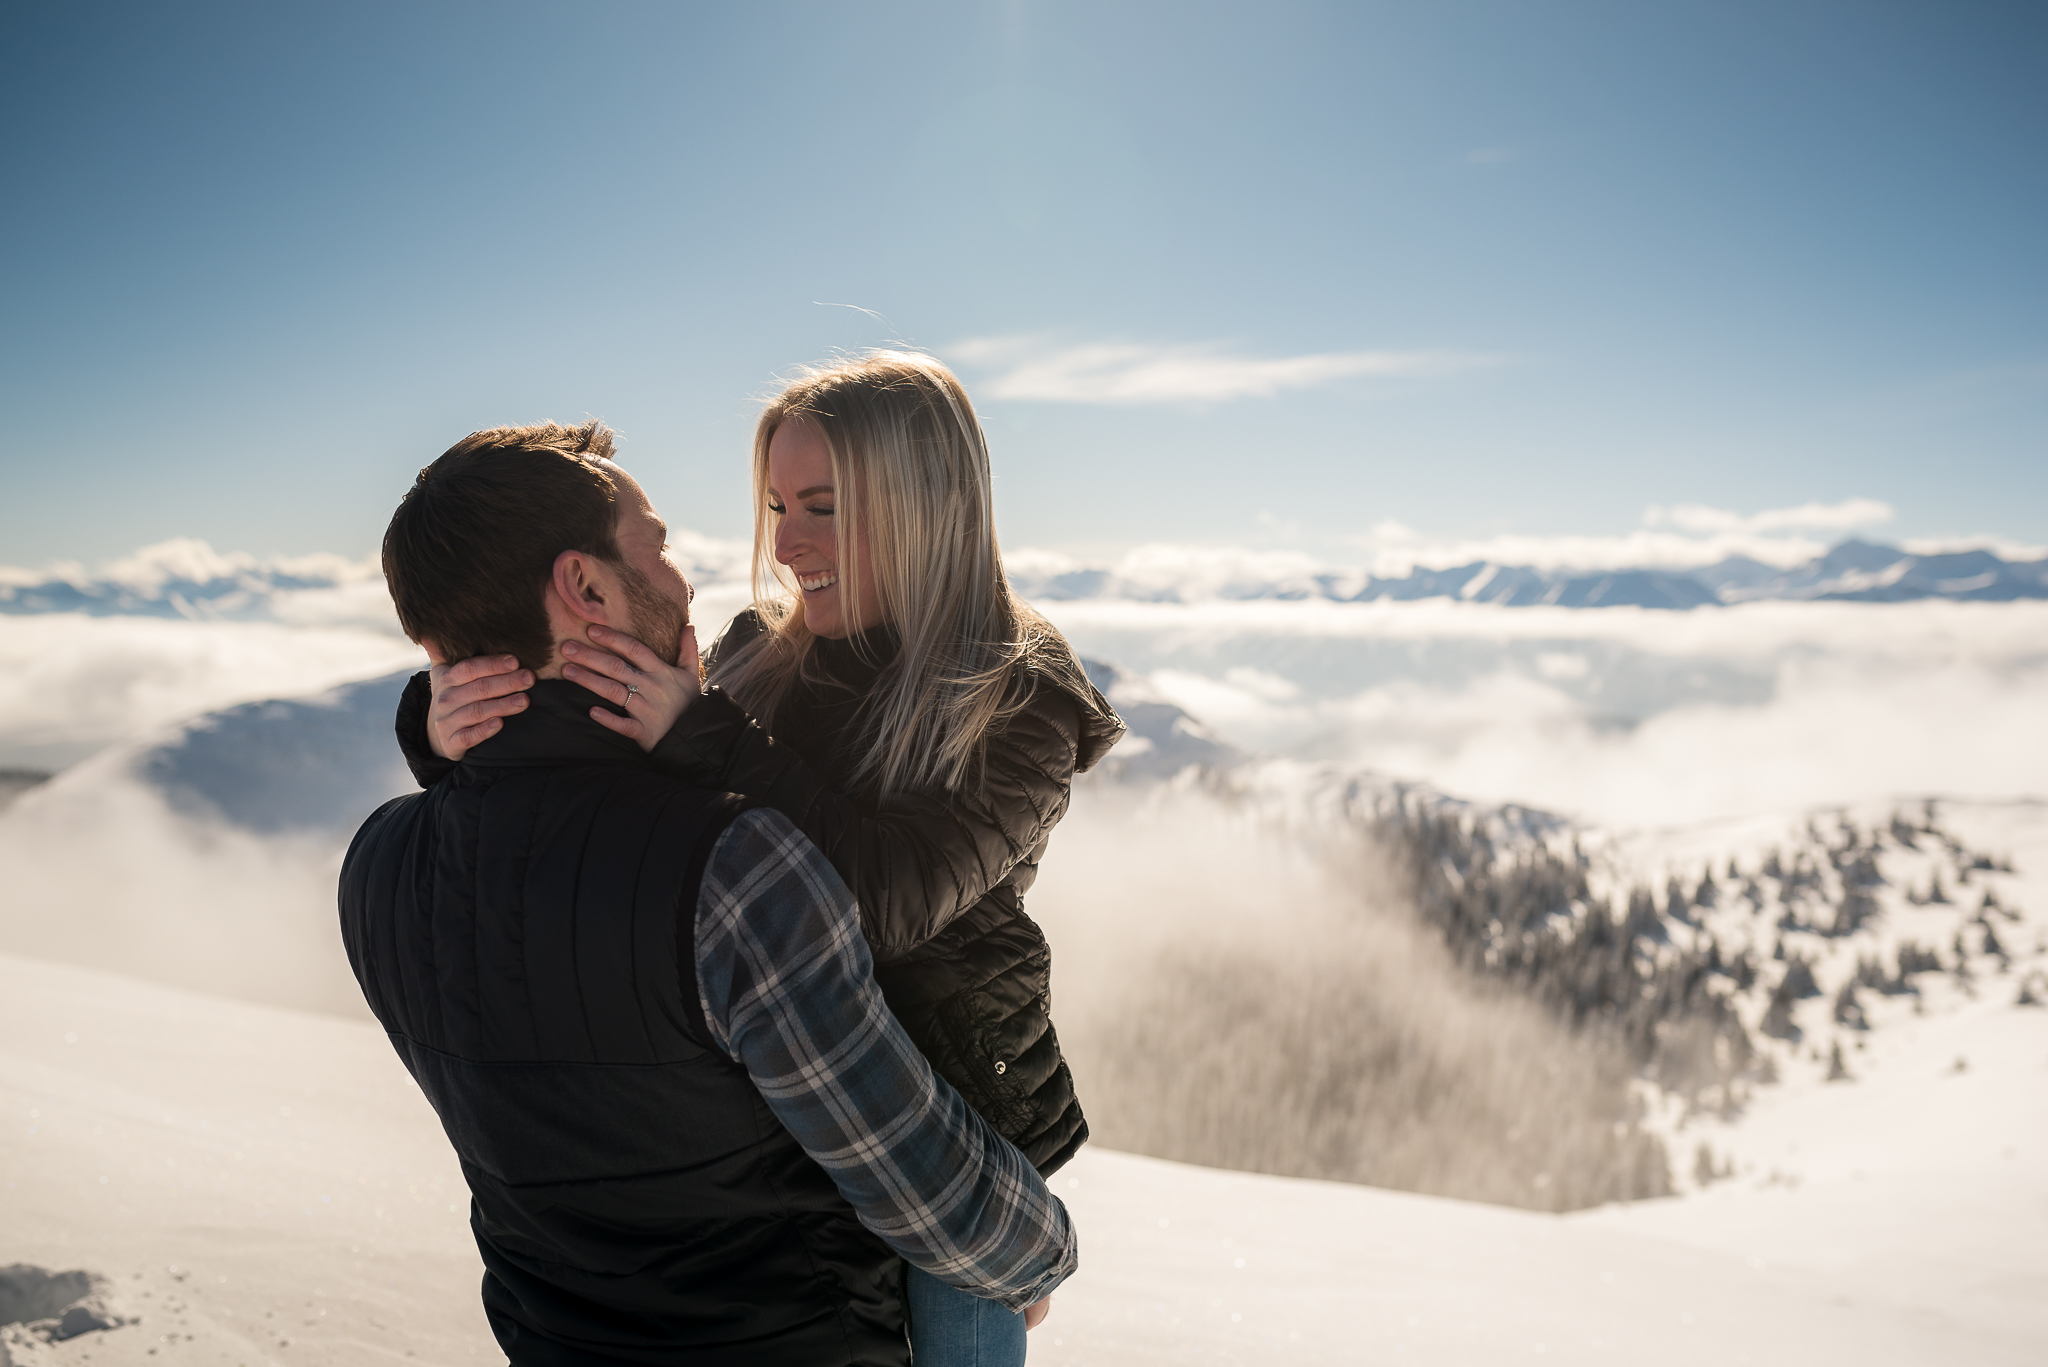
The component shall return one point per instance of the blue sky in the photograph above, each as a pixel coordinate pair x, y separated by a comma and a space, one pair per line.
1269, 275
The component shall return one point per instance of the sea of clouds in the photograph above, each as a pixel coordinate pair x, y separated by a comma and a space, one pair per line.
1161, 903
1617, 716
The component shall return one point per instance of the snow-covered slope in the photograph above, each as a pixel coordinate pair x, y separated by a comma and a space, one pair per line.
266, 1186
205, 854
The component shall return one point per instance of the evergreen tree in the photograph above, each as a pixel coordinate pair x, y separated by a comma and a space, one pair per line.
1798, 982
1838, 1071
1913, 959
1992, 944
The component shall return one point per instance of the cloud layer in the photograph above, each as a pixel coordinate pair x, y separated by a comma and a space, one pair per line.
70, 684
1126, 373
1621, 717
1618, 715
1848, 515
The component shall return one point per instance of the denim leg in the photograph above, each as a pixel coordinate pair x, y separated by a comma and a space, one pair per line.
949, 1328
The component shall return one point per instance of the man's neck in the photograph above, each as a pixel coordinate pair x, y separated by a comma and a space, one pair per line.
553, 668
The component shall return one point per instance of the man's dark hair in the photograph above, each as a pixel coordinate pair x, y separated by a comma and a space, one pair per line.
469, 552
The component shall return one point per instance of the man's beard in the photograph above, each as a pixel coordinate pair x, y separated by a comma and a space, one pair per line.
658, 621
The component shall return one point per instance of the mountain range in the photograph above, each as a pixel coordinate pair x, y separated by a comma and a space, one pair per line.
209, 587
1855, 571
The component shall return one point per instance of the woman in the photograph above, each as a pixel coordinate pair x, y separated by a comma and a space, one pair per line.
921, 724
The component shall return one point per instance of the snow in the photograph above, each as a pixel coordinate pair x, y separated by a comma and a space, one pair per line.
266, 1186
260, 1185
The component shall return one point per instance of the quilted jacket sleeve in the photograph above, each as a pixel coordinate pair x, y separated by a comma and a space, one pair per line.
427, 767
914, 862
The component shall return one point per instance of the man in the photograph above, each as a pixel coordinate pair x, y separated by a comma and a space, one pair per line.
644, 1011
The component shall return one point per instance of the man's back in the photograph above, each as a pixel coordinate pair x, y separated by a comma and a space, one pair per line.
524, 931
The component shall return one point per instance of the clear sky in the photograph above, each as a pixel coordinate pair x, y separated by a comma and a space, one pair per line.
1256, 273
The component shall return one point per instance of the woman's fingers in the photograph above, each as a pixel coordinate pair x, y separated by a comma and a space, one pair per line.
603, 661
692, 664
598, 684
470, 735
491, 685
480, 666
625, 726
474, 668
620, 643
490, 708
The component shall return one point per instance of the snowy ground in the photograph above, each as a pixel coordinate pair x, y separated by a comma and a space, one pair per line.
266, 1186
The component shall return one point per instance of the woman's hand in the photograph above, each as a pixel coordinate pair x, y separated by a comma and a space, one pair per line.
653, 692
1035, 1313
471, 699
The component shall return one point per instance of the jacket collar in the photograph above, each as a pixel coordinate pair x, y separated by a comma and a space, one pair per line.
555, 729
857, 661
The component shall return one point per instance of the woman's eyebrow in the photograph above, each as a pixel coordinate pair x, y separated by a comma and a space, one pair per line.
814, 489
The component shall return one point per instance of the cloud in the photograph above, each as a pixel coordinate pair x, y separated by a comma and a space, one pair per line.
1687, 536
71, 684
186, 558
1395, 550
1849, 514
2012, 552
1125, 373
1621, 717
102, 871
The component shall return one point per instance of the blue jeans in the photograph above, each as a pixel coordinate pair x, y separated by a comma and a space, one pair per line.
949, 1328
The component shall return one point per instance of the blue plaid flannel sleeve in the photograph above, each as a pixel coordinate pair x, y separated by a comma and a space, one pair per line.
789, 993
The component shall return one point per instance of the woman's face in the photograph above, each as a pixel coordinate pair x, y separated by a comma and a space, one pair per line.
803, 504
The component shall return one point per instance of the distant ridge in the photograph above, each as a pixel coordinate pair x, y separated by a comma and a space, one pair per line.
1854, 571
188, 580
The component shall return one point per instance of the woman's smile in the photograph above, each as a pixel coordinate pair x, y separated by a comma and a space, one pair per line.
803, 500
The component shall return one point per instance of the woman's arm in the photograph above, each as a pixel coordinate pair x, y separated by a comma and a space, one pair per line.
914, 862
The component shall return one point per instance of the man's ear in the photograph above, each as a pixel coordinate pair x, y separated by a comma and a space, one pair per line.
434, 653
584, 589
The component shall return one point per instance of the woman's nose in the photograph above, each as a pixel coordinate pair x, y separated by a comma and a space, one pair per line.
785, 541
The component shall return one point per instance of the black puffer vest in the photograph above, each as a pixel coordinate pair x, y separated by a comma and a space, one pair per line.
525, 931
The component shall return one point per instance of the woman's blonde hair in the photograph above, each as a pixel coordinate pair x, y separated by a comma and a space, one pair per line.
911, 470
